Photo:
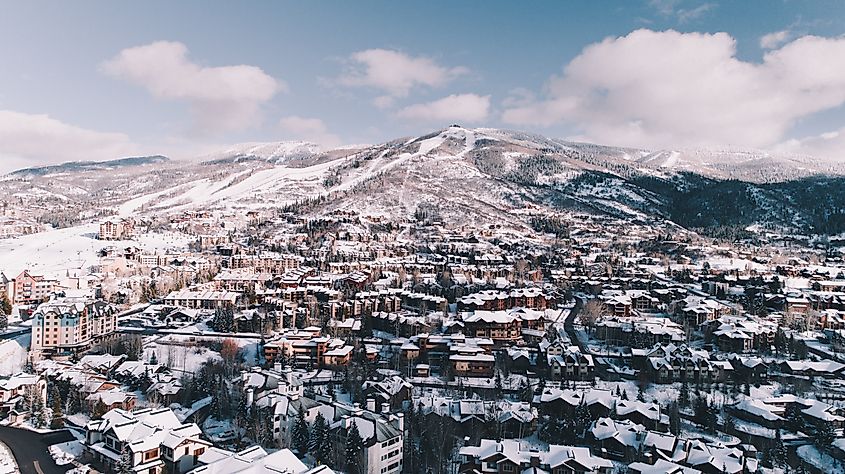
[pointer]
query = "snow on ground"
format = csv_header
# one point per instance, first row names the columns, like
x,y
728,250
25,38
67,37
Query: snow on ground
x,y
65,453
186,354
7,461
56,251
13,354
822,461
180,358
51,251
246,184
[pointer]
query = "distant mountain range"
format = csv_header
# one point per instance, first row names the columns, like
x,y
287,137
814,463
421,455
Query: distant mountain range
x,y
75,166
477,176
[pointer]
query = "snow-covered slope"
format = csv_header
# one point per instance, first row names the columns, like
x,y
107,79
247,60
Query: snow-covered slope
x,y
468,176
273,152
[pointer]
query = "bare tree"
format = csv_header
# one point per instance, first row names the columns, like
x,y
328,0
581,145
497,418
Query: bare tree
x,y
590,313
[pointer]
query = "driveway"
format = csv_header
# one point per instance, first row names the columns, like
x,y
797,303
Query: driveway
x,y
30,449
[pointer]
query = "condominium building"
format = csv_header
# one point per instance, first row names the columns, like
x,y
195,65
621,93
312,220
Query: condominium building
x,y
116,229
71,324
28,288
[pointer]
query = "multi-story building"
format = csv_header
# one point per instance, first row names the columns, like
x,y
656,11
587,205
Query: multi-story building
x,y
116,229
14,388
71,324
32,289
500,326
153,441
204,299
382,435
510,456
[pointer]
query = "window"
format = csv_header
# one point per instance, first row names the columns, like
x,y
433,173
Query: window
x,y
507,467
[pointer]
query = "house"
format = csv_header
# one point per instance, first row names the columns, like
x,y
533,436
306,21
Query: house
x,y
470,361
571,365
204,299
392,390
112,398
472,417
617,439
253,460
554,401
15,387
382,436
510,456
155,441
500,326
643,413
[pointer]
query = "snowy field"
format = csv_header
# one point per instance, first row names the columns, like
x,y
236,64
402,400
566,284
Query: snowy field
x,y
13,354
7,461
66,453
56,251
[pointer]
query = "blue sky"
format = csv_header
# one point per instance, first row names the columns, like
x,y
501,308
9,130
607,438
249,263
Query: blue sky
x,y
100,79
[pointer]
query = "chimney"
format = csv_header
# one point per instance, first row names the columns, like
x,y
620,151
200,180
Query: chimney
x,y
401,422
371,405
277,366
385,408
250,397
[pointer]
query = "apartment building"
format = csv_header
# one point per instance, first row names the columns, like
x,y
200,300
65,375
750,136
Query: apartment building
x,y
71,324
116,229
28,288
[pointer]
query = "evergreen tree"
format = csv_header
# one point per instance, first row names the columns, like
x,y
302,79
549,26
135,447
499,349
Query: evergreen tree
x,y
299,437
320,443
778,451
124,464
729,425
582,419
99,410
75,402
823,436
36,409
674,418
624,395
57,421
5,304
683,394
354,448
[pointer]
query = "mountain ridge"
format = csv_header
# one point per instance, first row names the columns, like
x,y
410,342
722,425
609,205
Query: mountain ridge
x,y
477,176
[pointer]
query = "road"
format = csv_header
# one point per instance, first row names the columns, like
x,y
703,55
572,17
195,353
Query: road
x,y
30,449
569,326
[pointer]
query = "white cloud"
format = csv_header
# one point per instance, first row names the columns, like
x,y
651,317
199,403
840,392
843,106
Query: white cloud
x,y
309,129
775,39
221,98
29,139
671,8
395,73
671,89
828,145
453,108
687,15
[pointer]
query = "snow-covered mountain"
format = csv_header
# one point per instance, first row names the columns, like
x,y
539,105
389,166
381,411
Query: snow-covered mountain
x,y
482,176
272,152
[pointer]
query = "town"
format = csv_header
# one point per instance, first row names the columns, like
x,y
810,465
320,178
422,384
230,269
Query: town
x,y
346,343
440,237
